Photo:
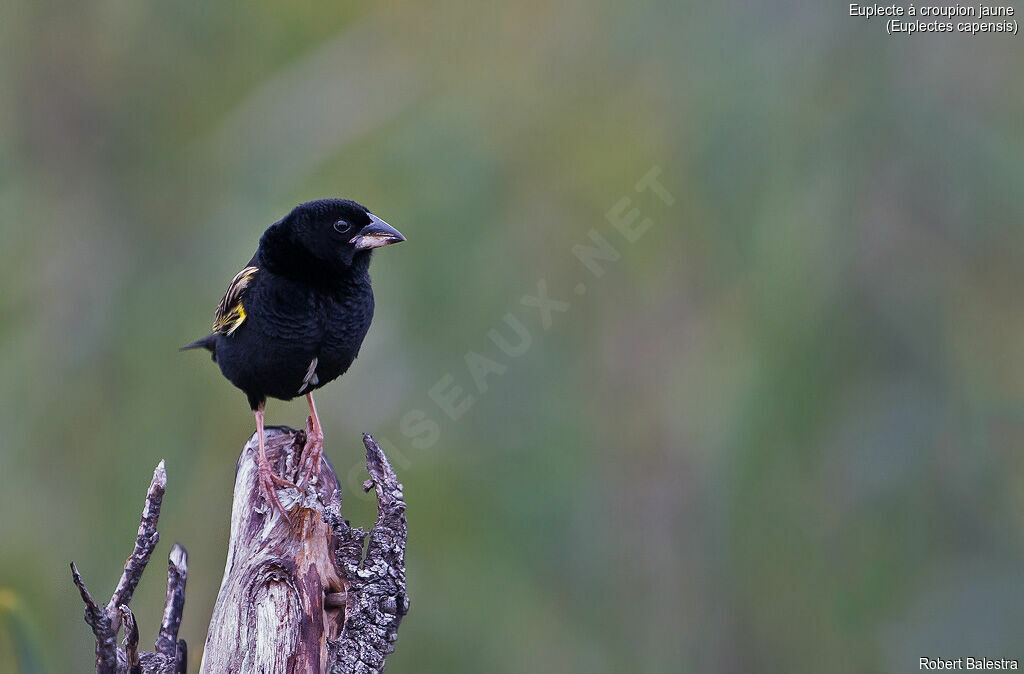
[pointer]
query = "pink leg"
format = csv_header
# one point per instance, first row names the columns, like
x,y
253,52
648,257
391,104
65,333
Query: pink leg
x,y
314,442
266,474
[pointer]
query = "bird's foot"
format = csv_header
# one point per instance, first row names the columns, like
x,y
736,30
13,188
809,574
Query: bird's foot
x,y
313,452
267,480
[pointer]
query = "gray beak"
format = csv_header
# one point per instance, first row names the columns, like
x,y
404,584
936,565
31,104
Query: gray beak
x,y
376,234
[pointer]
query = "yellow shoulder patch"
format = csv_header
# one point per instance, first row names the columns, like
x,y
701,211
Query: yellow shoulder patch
x,y
230,312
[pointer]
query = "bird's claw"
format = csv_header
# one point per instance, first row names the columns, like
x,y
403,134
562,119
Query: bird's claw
x,y
283,482
267,479
314,451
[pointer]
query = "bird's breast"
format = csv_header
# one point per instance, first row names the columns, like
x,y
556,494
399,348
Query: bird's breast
x,y
296,339
345,320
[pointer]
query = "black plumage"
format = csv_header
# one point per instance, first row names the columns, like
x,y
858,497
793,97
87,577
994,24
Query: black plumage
x,y
295,317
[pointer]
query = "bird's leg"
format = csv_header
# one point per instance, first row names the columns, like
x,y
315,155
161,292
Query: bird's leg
x,y
314,442
266,473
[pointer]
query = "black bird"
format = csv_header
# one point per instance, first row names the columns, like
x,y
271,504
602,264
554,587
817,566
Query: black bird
x,y
294,318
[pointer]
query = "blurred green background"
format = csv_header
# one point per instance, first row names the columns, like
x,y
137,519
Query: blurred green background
x,y
781,433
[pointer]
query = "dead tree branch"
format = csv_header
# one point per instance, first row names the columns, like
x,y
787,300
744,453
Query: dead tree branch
x,y
107,621
177,571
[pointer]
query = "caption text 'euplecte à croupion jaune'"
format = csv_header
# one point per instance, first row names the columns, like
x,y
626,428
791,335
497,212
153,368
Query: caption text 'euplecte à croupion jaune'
x,y
971,19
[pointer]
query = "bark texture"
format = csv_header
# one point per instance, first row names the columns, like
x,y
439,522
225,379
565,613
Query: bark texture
x,y
376,589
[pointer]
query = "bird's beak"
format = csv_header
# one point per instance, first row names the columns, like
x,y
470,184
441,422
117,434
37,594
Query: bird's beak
x,y
376,234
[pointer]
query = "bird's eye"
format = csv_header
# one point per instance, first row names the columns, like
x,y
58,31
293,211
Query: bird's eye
x,y
342,227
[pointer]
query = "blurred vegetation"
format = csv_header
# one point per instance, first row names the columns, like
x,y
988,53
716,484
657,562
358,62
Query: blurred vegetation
x,y
783,431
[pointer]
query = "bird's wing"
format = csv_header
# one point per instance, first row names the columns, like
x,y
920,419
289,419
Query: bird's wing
x,y
230,313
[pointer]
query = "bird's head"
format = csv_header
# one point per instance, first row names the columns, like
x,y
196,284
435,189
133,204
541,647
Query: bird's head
x,y
325,237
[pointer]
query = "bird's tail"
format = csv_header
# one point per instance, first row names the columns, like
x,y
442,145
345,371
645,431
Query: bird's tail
x,y
209,343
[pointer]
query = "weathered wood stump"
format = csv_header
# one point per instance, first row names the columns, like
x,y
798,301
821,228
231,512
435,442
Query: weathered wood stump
x,y
298,594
